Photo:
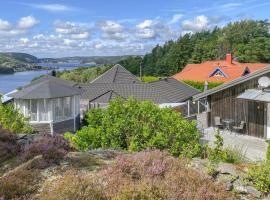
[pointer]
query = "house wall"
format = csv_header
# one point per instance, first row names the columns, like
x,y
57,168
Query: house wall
x,y
66,126
225,105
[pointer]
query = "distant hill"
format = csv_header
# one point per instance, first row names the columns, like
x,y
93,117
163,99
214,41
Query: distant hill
x,y
99,60
11,62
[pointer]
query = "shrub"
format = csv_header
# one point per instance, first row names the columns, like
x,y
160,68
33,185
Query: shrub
x,y
13,120
268,151
136,126
219,154
19,184
200,84
145,175
8,145
52,148
259,175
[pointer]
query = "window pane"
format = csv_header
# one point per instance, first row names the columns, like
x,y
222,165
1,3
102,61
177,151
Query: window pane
x,y
58,109
67,107
33,114
43,116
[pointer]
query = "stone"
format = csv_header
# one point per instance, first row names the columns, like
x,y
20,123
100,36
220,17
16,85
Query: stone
x,y
226,168
254,192
227,180
239,187
201,165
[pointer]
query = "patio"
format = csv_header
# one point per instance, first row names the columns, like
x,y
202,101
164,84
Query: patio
x,y
252,147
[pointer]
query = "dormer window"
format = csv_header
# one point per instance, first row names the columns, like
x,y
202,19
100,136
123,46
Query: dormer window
x,y
246,71
218,74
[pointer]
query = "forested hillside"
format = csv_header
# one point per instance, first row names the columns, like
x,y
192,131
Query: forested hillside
x,y
248,41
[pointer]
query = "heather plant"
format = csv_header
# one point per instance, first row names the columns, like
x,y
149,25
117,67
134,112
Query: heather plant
x,y
8,145
19,184
135,126
52,148
13,120
148,175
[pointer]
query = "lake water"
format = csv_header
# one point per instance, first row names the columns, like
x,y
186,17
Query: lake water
x,y
9,82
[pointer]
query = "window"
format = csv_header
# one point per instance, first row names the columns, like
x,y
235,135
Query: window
x,y
67,107
219,74
43,115
33,109
62,108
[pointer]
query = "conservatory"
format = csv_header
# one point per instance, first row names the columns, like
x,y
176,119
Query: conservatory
x,y
51,104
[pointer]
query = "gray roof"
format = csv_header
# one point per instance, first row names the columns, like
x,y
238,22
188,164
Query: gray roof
x,y
174,90
117,74
104,92
242,79
47,87
166,90
256,95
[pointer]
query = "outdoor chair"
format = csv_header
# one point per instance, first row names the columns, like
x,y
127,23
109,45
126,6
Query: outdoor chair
x,y
240,128
218,123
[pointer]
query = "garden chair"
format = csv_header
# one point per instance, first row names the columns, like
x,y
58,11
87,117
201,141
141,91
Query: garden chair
x,y
240,128
217,122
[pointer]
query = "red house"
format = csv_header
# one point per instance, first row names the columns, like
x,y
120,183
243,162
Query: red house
x,y
218,70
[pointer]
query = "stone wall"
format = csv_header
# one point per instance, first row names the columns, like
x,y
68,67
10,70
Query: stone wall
x,y
42,128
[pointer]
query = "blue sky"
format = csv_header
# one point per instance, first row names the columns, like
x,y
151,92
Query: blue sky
x,y
51,28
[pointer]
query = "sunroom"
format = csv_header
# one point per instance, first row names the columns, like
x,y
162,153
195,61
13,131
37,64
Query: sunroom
x,y
51,104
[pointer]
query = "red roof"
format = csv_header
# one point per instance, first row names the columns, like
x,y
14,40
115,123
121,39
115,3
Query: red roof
x,y
206,70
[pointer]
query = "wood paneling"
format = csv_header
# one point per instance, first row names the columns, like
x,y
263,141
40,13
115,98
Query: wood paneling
x,y
225,105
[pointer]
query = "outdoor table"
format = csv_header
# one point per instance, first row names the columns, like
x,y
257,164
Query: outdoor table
x,y
228,124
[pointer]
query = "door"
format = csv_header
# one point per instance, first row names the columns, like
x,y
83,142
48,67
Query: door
x,y
268,121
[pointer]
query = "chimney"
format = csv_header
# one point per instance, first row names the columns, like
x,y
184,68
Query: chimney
x,y
229,58
205,86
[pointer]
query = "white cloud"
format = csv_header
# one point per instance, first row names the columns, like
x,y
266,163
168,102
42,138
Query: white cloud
x,y
73,30
199,23
112,30
176,18
27,22
51,7
24,40
4,25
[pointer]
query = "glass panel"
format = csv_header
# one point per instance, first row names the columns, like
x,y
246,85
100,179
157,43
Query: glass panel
x,y
67,107
43,116
58,108
33,114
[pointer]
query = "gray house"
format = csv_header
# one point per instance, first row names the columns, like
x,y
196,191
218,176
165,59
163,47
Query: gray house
x,y
51,104
118,81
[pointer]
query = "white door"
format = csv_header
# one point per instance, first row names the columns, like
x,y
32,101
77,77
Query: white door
x,y
268,121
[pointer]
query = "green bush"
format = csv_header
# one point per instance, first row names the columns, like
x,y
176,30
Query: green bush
x,y
200,84
259,175
135,126
12,120
268,151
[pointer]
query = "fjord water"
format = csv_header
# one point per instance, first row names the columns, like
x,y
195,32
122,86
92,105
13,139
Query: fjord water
x,y
9,82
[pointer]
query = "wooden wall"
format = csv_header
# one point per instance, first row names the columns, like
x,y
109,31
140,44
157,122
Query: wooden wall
x,y
225,105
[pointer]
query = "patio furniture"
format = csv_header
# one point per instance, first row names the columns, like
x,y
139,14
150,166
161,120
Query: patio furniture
x,y
217,122
239,128
228,124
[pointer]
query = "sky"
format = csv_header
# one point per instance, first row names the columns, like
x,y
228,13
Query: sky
x,y
57,28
